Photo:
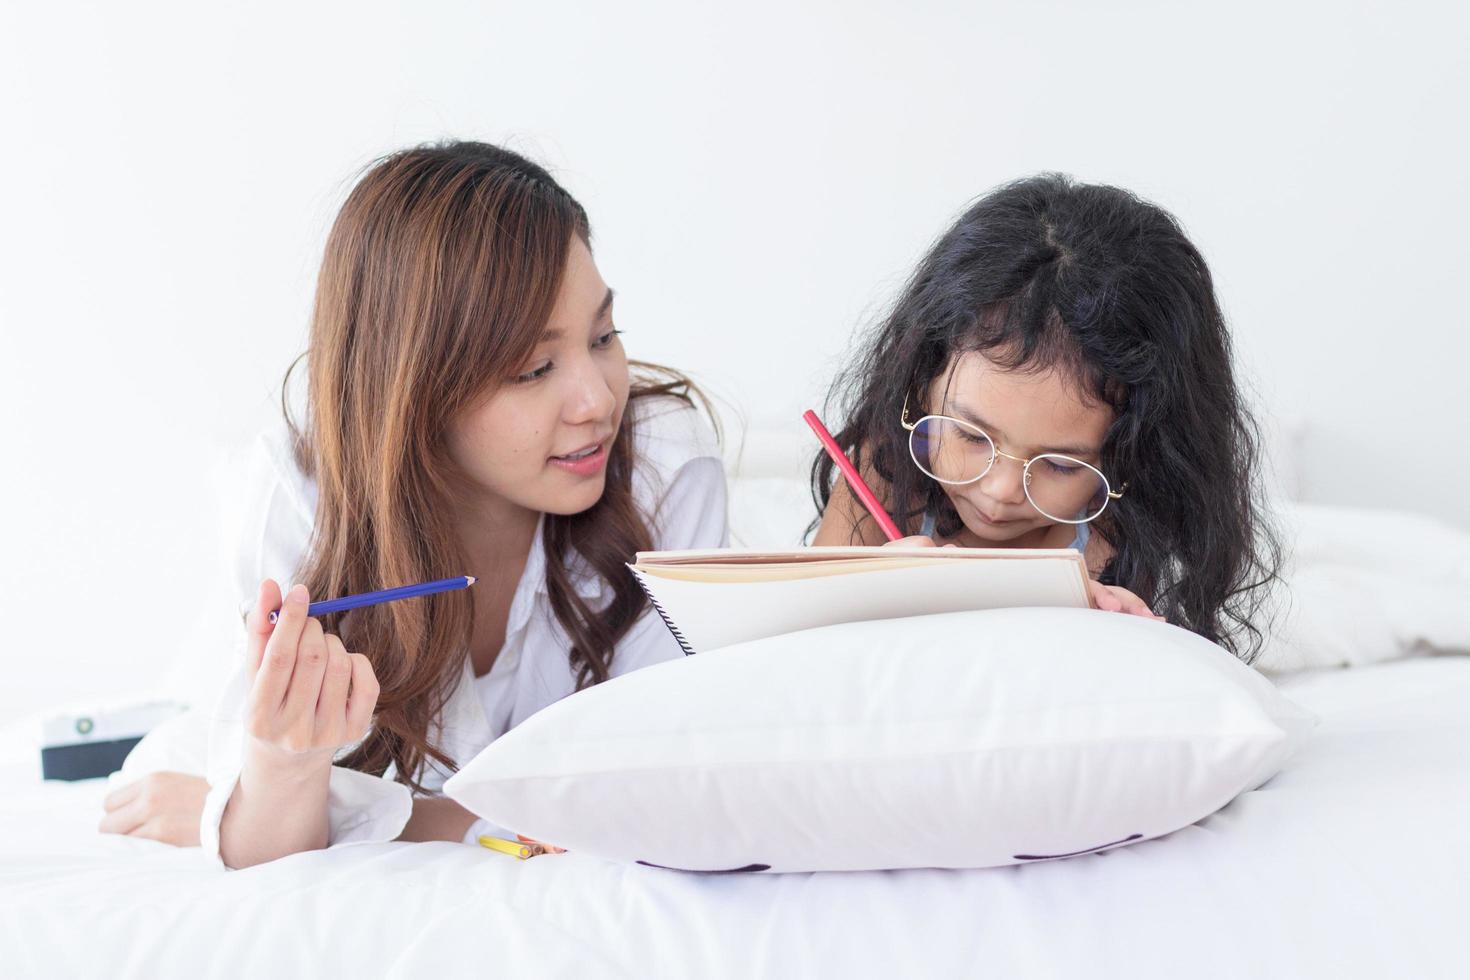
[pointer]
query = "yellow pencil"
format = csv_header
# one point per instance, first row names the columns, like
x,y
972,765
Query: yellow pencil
x,y
515,849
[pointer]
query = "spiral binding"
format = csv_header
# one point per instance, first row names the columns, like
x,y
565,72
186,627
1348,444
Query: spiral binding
x,y
678,635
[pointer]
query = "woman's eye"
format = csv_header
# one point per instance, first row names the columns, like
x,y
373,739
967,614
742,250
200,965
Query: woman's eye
x,y
533,375
606,339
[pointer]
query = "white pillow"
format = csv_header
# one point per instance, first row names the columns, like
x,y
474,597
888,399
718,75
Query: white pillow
x,y
1360,586
961,740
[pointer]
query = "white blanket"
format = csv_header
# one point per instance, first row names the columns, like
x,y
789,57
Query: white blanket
x,y
1351,863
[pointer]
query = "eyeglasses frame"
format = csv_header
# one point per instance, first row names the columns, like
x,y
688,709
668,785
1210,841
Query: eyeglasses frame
x,y
995,451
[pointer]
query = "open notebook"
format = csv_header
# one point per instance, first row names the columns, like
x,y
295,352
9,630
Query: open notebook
x,y
712,599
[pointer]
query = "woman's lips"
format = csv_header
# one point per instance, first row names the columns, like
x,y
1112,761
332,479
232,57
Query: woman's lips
x,y
582,465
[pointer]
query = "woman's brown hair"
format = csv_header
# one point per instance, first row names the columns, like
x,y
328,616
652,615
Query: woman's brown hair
x,y
440,273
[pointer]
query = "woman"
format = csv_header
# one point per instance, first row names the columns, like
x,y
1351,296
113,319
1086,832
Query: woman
x,y
471,411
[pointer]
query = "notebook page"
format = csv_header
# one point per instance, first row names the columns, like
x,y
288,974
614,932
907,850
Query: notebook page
x,y
736,556
775,572
706,616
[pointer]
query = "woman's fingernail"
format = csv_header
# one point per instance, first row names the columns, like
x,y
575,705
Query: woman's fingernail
x,y
298,593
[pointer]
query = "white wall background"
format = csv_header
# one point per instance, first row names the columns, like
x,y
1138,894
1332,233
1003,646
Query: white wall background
x,y
760,177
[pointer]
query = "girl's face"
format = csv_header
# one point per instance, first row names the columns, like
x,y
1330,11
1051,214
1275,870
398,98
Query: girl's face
x,y
540,442
1026,414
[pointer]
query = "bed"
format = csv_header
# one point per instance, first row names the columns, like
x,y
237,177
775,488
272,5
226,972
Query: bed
x,y
1351,862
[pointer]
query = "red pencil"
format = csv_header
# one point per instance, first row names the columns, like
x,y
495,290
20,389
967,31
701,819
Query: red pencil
x,y
853,480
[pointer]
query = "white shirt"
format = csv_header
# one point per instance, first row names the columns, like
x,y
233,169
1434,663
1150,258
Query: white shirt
x,y
679,485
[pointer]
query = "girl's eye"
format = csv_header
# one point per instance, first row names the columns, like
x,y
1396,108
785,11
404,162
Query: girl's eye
x,y
605,341
1060,468
539,372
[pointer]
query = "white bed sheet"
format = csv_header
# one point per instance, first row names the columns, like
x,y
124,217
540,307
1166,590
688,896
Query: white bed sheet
x,y
1353,862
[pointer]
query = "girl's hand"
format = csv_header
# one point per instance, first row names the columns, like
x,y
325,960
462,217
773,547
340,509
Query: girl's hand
x,y
1115,598
310,696
1110,597
162,806
914,541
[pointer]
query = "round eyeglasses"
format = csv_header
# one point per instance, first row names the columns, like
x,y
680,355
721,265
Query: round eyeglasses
x,y
1062,488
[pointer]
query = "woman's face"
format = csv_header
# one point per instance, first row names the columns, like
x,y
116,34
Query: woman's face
x,y
541,441
1025,414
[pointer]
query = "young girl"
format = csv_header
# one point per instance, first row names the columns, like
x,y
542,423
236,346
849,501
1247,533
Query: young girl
x,y
471,411
1057,373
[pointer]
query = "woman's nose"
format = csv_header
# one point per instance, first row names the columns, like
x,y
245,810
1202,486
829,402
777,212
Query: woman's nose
x,y
590,399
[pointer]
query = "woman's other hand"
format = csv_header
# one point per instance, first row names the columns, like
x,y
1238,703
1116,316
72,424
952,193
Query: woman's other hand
x,y
162,806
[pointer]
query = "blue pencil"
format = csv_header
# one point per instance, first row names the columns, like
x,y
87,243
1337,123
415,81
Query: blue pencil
x,y
385,595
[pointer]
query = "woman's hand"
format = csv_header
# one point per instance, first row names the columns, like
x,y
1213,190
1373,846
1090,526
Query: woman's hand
x,y
1114,598
162,806
309,696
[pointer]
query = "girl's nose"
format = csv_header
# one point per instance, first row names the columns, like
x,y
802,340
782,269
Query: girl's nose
x,y
1005,482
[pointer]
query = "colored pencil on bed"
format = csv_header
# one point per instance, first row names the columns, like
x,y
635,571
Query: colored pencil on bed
x,y
853,479
516,849
384,595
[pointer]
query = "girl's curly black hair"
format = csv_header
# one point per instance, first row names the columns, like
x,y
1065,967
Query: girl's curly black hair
x,y
1047,272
